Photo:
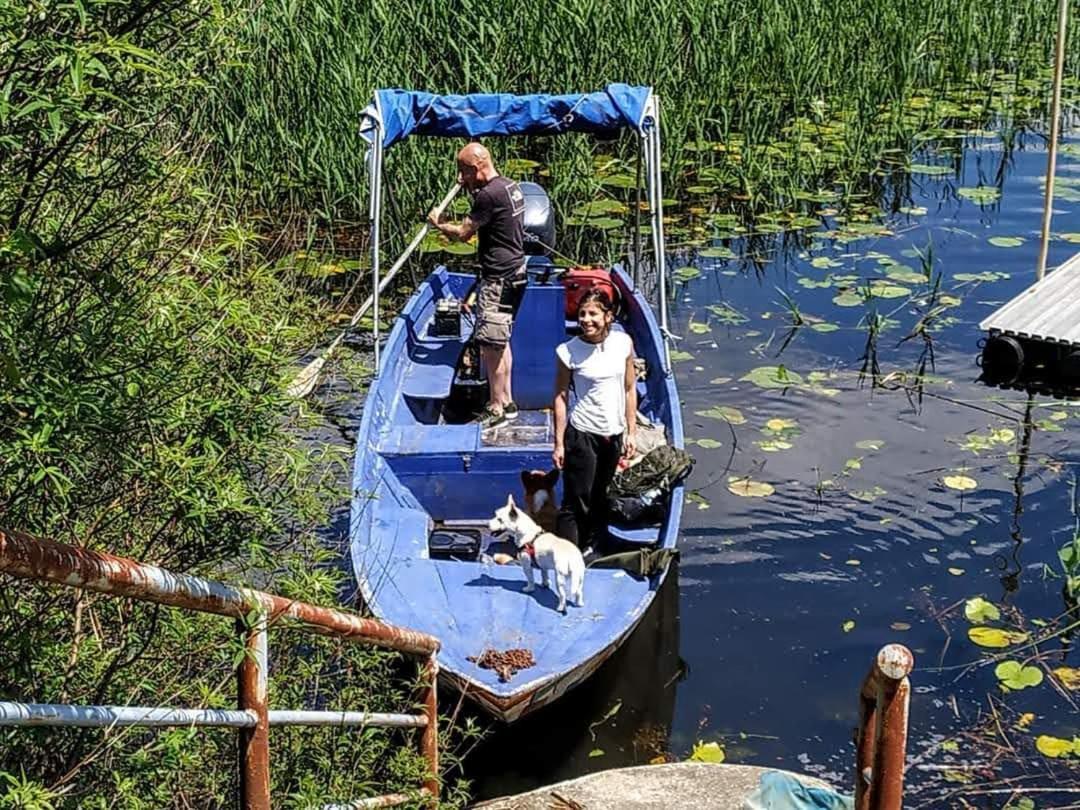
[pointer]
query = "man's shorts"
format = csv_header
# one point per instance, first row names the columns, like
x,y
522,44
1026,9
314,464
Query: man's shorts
x,y
497,302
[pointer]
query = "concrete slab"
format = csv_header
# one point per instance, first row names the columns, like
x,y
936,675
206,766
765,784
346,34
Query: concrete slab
x,y
685,785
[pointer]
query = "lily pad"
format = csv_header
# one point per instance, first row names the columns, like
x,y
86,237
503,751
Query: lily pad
x,y
727,314
686,273
962,483
824,327
776,425
707,752
460,248
619,180
725,413
599,208
995,637
745,488
1069,677
848,298
680,356
979,611
905,275
774,445
604,223
1006,241
708,444
717,253
848,626
983,195
1056,747
867,495
1014,675
772,377
1070,237
870,444
986,275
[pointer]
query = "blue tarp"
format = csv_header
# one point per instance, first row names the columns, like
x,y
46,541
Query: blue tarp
x,y
412,112
778,790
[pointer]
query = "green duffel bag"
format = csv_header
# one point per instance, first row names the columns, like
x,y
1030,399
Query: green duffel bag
x,y
661,470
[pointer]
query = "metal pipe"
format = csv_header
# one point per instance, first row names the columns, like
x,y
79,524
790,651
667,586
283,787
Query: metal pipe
x,y
656,204
1055,126
429,740
24,556
55,715
661,259
254,743
881,738
637,213
389,800
376,210
288,717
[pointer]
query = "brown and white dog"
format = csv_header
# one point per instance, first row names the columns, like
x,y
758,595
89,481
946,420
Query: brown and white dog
x,y
540,497
543,550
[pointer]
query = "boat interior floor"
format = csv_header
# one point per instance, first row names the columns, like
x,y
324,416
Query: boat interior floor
x,y
530,428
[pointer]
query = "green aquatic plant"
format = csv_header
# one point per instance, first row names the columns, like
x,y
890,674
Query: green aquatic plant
x,y
1069,557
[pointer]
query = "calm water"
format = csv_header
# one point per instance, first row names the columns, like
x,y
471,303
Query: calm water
x,y
783,601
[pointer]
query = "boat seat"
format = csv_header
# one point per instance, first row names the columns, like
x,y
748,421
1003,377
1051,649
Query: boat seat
x,y
538,330
411,440
433,360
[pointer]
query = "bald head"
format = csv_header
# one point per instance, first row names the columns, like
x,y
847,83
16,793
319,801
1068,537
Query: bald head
x,y
475,167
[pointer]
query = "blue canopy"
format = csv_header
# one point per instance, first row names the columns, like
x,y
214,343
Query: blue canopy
x,y
410,112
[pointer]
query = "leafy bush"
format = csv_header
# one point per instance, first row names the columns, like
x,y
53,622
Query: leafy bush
x,y
143,344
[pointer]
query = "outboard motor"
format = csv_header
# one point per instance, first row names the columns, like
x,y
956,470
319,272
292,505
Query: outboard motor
x,y
539,220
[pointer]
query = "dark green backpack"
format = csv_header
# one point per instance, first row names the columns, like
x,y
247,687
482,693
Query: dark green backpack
x,y
662,469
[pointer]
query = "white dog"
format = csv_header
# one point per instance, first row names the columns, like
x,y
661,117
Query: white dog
x,y
544,550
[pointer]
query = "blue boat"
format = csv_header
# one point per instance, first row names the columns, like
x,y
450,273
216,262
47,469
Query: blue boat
x,y
422,471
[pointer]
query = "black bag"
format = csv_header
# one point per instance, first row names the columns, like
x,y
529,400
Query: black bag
x,y
663,468
454,544
639,510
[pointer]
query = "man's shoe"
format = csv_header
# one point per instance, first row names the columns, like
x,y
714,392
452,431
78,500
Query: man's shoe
x,y
510,411
490,418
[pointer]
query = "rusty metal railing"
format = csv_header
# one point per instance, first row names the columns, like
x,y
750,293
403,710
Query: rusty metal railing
x,y
881,738
32,558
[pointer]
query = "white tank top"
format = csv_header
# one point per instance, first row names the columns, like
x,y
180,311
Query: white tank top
x,y
597,382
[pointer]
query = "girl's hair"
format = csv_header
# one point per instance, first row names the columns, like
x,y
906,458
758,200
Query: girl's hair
x,y
595,295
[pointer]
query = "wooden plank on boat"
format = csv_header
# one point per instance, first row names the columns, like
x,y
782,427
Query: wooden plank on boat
x,y
1048,310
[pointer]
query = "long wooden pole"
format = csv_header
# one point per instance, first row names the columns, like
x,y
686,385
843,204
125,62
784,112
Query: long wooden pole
x,y
304,382
1055,126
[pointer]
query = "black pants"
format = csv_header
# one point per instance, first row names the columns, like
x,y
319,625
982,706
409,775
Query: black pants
x,y
588,468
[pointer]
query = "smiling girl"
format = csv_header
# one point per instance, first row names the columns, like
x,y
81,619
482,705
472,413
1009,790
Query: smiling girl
x,y
595,407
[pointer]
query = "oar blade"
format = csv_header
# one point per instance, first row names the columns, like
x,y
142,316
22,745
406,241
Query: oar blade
x,y
304,382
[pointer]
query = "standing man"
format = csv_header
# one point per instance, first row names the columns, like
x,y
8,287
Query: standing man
x,y
496,215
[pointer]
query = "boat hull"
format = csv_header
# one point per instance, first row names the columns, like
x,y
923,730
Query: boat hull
x,y
414,470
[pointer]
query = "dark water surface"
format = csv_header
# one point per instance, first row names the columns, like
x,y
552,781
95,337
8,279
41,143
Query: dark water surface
x,y
783,601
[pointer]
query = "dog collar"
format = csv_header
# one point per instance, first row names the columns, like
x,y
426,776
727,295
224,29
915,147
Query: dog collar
x,y
528,546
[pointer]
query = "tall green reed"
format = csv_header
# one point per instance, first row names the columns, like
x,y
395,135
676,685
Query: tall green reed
x,y
285,114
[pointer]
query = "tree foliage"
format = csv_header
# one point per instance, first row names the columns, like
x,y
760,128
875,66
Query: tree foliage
x,y
144,338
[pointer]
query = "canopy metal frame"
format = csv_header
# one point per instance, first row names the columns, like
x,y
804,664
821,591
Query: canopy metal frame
x,y
648,134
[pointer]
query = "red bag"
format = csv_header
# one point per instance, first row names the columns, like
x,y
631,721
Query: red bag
x,y
578,280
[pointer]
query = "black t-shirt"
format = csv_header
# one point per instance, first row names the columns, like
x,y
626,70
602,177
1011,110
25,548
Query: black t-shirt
x,y
498,212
